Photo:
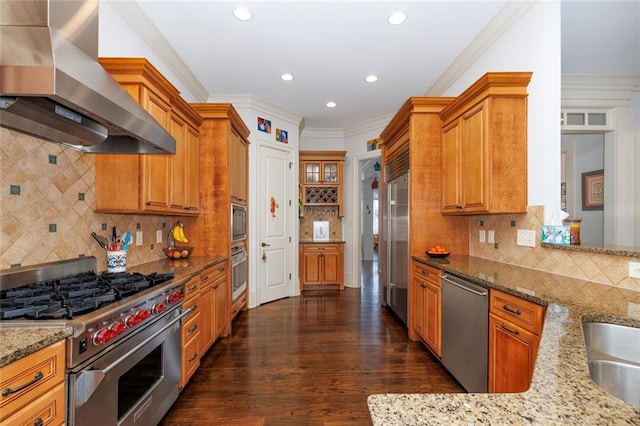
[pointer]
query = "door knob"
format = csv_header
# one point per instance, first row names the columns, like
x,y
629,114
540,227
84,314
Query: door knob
x,y
266,245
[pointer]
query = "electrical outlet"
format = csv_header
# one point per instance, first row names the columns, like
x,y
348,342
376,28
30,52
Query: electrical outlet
x,y
483,236
138,238
491,237
526,238
158,236
634,269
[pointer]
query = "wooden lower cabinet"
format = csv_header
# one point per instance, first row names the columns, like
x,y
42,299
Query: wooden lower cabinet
x,y
515,326
426,306
42,401
213,305
321,264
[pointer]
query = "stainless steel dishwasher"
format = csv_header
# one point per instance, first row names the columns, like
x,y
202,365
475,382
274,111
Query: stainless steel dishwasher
x,y
465,332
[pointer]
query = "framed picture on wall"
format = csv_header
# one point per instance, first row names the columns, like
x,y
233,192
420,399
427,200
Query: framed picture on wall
x,y
593,190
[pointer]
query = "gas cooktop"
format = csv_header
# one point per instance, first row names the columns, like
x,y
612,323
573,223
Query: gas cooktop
x,y
70,296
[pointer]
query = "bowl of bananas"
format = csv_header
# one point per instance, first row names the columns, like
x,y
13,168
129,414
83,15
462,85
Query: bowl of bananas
x,y
176,235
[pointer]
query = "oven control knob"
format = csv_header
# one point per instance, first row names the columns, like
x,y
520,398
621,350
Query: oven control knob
x,y
174,297
143,314
102,336
118,328
158,308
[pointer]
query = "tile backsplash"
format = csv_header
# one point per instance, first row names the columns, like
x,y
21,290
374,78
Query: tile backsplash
x,y
313,214
601,268
47,199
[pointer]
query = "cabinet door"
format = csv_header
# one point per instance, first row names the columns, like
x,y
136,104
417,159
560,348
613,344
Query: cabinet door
x,y
417,306
312,172
177,178
433,313
474,148
205,304
221,298
155,168
512,356
192,191
451,169
330,172
238,167
312,268
331,268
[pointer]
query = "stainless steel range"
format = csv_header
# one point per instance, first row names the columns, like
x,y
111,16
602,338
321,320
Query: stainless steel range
x,y
123,359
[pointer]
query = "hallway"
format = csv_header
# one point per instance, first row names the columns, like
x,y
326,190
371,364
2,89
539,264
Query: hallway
x,y
309,360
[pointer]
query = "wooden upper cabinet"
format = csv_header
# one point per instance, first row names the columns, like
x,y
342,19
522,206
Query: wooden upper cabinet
x,y
239,167
321,178
484,147
151,183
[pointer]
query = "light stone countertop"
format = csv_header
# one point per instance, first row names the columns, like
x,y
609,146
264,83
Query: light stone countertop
x,y
561,392
19,341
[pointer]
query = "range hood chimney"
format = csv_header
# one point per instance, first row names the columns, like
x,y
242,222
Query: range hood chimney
x,y
52,86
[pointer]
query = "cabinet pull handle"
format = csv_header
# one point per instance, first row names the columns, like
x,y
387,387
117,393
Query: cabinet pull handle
x,y
504,327
192,329
195,355
426,273
512,310
204,279
193,287
38,422
37,377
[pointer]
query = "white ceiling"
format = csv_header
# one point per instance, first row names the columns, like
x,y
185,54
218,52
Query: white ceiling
x,y
331,46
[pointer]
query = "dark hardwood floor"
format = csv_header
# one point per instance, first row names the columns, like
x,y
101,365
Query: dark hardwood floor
x,y
309,360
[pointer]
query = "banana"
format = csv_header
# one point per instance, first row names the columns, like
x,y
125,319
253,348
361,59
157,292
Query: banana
x,y
178,234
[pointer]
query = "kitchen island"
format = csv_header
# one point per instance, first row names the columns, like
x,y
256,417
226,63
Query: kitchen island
x,y
561,391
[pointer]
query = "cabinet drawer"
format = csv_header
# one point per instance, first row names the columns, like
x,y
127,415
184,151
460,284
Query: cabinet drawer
x,y
523,313
428,273
47,363
322,248
190,360
212,273
191,288
191,328
49,409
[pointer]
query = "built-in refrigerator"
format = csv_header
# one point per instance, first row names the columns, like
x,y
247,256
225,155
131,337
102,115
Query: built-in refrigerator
x,y
397,249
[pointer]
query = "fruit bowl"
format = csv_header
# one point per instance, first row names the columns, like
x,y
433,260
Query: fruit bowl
x,y
177,252
438,255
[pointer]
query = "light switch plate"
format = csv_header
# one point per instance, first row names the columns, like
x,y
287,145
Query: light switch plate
x,y
158,236
138,238
526,238
491,237
634,269
483,236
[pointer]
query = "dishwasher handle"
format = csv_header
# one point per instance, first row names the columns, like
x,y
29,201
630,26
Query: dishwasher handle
x,y
465,285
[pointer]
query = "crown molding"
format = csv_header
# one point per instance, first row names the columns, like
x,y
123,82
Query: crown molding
x,y
318,132
598,90
261,105
133,15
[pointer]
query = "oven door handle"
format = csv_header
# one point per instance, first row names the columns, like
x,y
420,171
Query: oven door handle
x,y
88,381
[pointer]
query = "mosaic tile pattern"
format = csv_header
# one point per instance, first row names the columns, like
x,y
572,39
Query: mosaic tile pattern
x,y
322,214
600,268
49,195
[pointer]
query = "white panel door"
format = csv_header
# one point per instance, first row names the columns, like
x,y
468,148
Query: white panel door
x,y
275,213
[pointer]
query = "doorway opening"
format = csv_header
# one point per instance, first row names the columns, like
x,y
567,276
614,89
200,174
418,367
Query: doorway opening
x,y
369,218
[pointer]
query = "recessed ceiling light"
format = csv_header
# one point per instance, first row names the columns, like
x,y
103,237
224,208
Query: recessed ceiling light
x,y
397,18
242,13
331,104
286,77
371,78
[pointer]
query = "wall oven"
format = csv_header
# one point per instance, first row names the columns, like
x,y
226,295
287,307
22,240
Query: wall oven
x,y
238,271
238,222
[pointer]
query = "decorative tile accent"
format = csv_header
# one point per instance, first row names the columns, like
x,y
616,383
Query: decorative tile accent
x,y
51,196
14,189
53,159
80,196
53,227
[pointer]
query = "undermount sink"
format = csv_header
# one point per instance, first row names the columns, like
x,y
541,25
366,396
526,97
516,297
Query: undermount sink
x,y
613,353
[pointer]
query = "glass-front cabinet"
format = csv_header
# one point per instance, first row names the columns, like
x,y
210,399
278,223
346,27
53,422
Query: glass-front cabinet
x,y
321,179
321,171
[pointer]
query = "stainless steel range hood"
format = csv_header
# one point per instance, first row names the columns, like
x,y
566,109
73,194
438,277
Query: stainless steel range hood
x,y
52,86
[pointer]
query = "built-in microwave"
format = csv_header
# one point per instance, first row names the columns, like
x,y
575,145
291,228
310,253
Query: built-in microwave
x,y
238,222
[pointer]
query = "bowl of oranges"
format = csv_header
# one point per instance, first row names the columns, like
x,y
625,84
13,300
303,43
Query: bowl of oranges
x,y
438,252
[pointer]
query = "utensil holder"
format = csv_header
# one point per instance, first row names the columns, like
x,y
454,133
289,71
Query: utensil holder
x,y
116,261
